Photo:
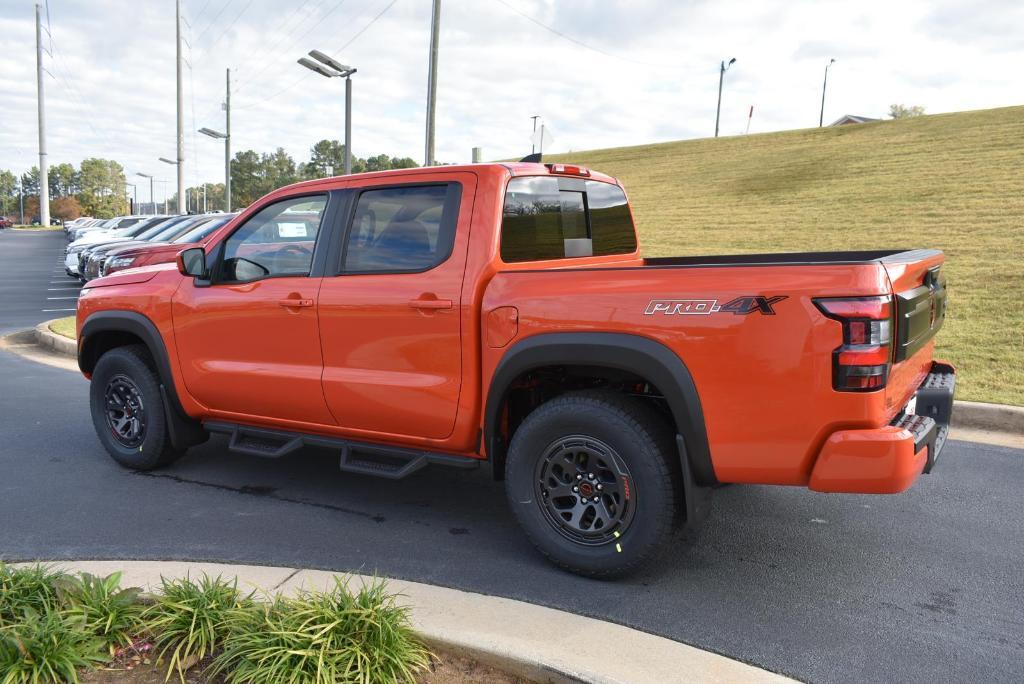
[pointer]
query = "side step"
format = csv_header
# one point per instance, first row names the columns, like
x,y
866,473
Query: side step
x,y
393,463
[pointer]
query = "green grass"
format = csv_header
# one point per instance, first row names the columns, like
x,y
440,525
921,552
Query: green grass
x,y
334,636
191,620
37,229
64,326
950,181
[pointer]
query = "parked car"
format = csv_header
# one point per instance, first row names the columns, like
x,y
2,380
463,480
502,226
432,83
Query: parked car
x,y
5,222
503,313
158,235
116,230
136,255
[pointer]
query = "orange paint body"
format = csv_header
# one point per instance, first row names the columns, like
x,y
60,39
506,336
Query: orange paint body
x,y
408,359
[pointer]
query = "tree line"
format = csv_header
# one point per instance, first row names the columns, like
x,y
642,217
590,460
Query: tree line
x,y
95,188
99,188
254,174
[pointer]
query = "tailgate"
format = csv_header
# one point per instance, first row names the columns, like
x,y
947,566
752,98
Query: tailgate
x,y
919,289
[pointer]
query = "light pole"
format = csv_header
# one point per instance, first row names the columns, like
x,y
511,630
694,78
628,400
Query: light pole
x,y
821,117
435,38
331,68
721,79
135,197
182,201
217,135
152,200
533,145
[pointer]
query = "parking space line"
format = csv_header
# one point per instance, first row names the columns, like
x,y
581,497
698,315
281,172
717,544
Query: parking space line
x,y
56,310
51,298
60,289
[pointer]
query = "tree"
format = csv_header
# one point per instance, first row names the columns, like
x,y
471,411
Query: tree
x,y
8,193
30,181
278,168
101,188
65,208
898,111
326,158
63,180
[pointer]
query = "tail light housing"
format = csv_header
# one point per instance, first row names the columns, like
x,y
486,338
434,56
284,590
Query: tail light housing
x,y
863,361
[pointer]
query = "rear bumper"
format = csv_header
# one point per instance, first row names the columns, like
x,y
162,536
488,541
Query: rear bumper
x,y
888,459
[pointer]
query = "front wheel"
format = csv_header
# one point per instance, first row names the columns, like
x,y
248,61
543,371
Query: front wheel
x,y
128,409
591,477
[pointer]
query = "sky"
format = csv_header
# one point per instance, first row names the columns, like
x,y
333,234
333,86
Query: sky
x,y
599,73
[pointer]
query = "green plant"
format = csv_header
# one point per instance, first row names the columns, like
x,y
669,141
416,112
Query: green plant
x,y
104,609
324,637
46,647
27,588
190,620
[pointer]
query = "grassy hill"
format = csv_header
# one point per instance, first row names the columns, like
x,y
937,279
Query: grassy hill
x,y
951,181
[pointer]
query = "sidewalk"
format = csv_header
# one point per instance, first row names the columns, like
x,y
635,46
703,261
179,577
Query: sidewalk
x,y
539,643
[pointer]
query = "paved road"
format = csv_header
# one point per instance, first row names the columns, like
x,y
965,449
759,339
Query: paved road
x,y
33,286
923,587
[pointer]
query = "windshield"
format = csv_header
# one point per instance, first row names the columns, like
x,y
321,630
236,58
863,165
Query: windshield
x,y
156,226
129,225
169,231
204,229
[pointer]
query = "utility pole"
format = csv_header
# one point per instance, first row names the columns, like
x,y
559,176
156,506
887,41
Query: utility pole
x,y
435,31
821,116
181,110
227,143
44,178
21,200
533,145
721,79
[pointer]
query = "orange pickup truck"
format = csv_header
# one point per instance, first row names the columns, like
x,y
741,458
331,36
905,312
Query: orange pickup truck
x,y
503,313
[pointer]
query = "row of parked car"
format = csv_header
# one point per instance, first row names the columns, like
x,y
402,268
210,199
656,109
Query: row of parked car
x,y
100,247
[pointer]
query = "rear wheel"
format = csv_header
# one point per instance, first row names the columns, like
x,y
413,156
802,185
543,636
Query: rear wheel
x,y
128,409
592,479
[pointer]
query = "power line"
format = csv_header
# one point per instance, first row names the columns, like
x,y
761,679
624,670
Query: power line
x,y
225,31
580,43
197,17
300,79
213,20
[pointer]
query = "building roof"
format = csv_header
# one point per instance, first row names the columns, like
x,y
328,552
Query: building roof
x,y
852,119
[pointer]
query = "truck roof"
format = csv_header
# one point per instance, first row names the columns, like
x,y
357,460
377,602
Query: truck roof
x,y
511,168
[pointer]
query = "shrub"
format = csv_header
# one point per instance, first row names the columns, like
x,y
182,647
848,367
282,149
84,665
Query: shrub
x,y
103,608
22,589
324,637
190,620
46,647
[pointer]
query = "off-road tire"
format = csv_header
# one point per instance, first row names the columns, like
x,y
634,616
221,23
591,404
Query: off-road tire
x,y
132,367
639,437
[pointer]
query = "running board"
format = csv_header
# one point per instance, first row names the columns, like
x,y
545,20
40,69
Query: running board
x,y
393,463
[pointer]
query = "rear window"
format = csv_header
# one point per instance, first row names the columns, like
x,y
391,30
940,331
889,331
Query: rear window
x,y
547,217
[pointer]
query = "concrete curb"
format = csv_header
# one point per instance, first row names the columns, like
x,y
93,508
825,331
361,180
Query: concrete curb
x,y
972,415
541,644
47,339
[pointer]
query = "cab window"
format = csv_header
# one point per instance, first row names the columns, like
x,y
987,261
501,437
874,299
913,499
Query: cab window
x,y
402,229
543,221
277,241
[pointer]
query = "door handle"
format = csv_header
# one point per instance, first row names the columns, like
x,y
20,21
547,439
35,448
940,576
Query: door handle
x,y
430,304
295,302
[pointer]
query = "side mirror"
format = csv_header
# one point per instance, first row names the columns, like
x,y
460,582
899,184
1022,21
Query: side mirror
x,y
192,262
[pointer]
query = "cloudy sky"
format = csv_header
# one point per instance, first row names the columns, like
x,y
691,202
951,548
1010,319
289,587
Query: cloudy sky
x,y
601,73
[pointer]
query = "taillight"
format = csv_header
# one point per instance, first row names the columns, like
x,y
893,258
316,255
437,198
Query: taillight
x,y
568,169
862,362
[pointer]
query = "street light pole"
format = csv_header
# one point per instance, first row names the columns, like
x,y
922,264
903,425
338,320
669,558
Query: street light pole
x,y
533,145
331,68
227,142
821,116
435,35
44,179
721,80
181,112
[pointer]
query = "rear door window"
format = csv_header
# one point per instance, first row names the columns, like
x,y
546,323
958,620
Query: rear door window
x,y
547,217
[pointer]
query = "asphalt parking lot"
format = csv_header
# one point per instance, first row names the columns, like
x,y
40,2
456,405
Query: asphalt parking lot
x,y
922,587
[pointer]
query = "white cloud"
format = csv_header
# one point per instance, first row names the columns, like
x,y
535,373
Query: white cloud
x,y
652,75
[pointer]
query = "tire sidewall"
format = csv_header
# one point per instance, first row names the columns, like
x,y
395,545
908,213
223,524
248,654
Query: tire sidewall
x,y
634,447
149,454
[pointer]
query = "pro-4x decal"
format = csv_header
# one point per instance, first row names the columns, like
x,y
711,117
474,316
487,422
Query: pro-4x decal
x,y
740,306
